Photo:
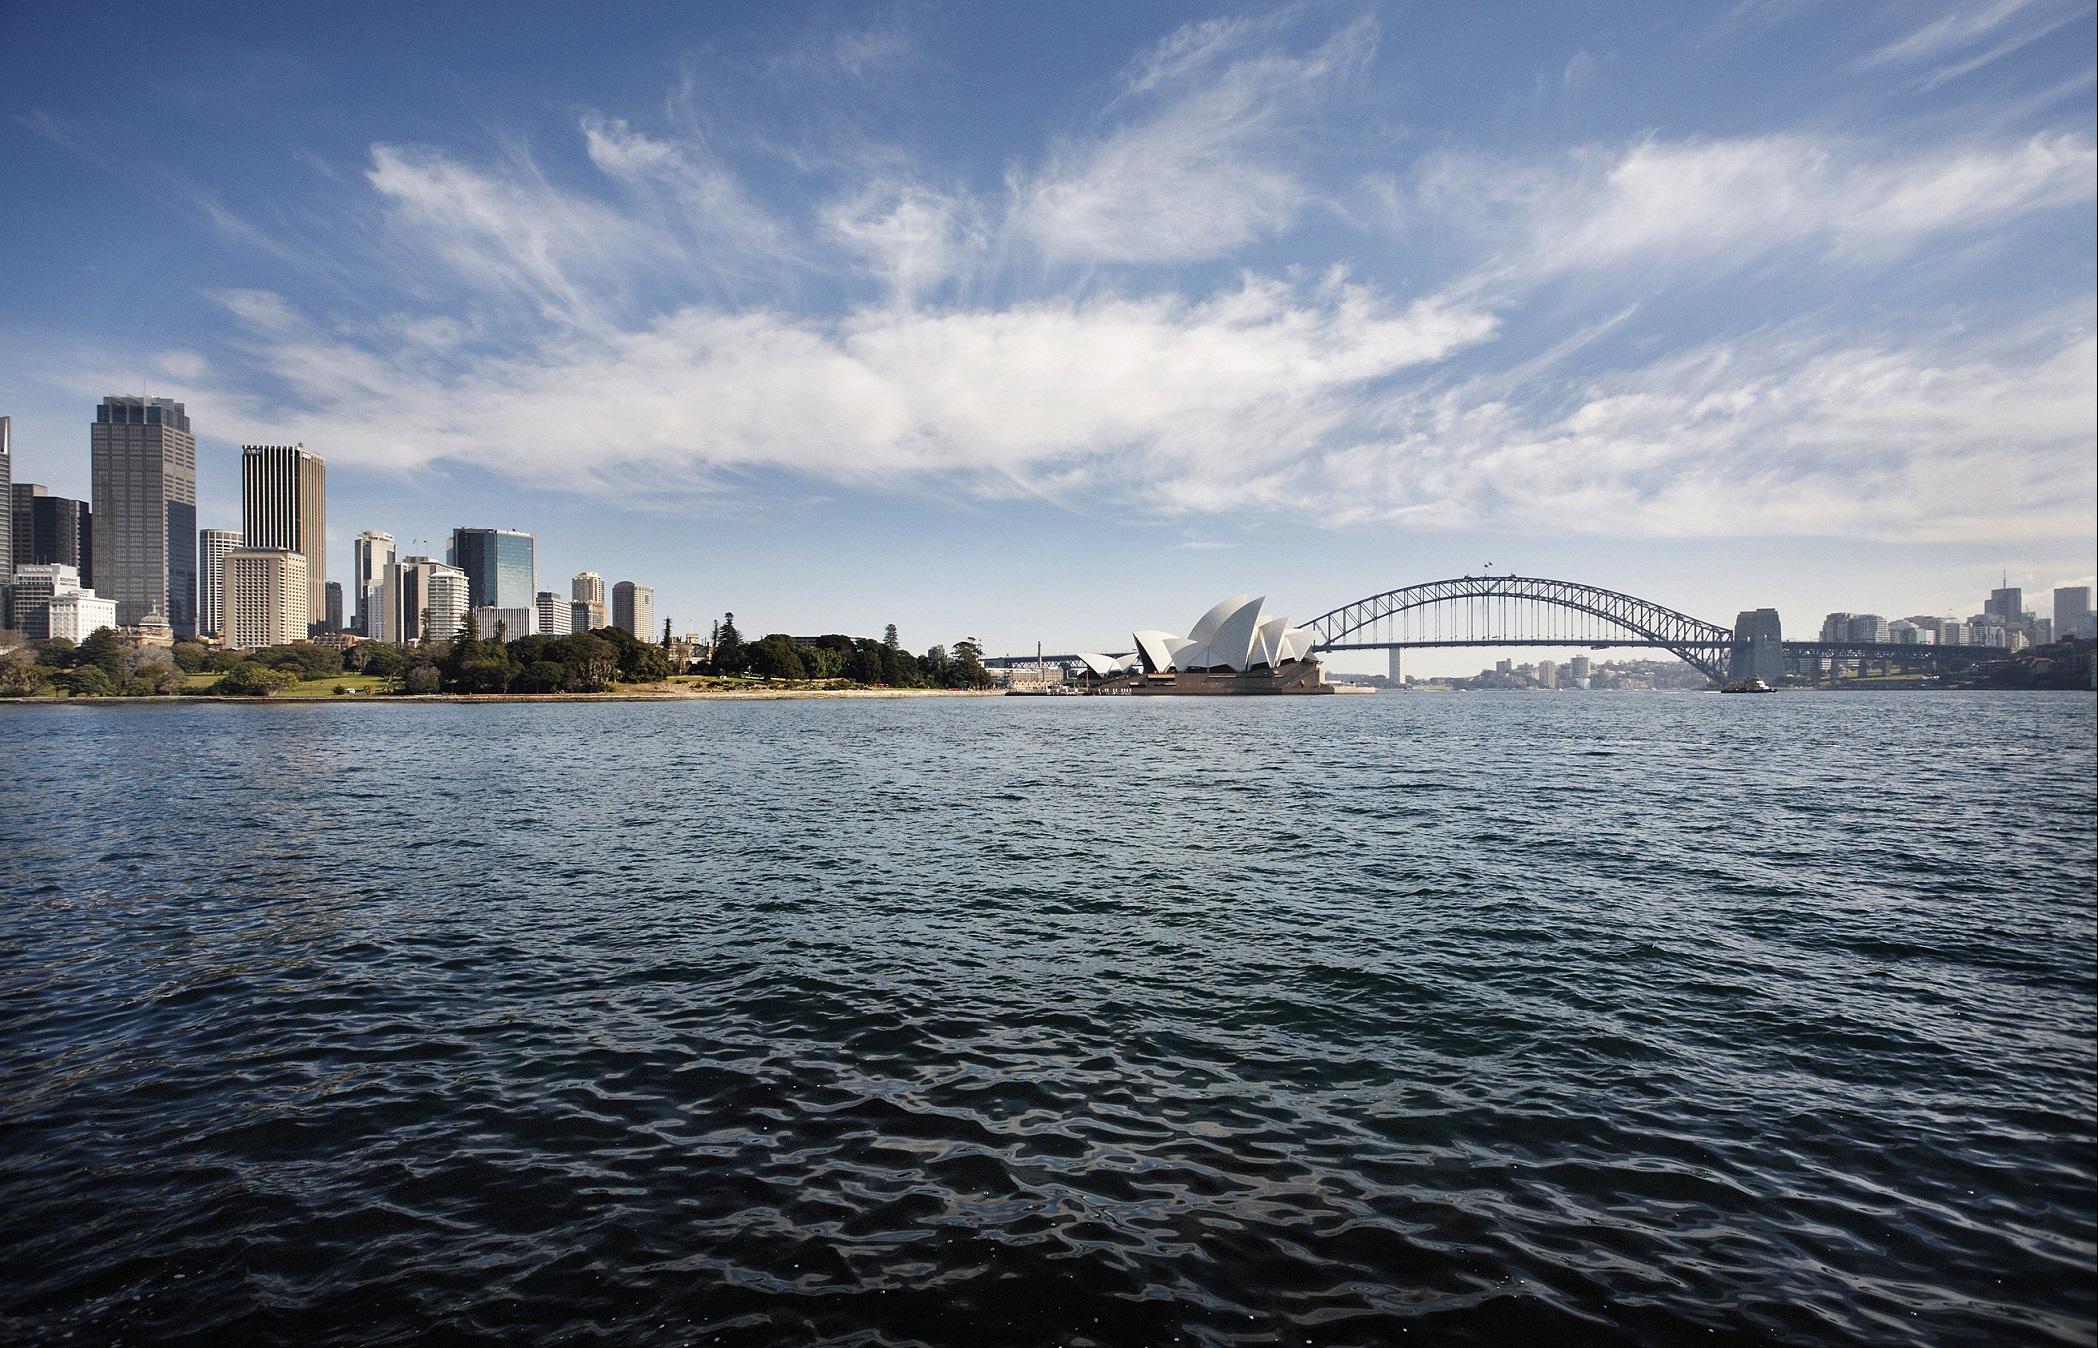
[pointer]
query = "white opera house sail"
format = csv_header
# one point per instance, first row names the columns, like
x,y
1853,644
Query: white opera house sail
x,y
1233,648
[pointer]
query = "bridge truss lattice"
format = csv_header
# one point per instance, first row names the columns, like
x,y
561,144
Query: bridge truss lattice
x,y
1520,611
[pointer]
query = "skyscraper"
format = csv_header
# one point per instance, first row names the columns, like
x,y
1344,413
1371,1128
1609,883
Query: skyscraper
x,y
53,529
371,552
268,600
499,566
424,598
2072,612
212,547
587,612
2007,603
284,504
634,609
331,618
555,617
7,526
145,510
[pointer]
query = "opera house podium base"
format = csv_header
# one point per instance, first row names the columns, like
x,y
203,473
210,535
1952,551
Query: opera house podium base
x,y
1298,677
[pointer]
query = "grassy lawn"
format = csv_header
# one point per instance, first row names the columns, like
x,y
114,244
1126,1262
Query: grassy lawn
x,y
358,684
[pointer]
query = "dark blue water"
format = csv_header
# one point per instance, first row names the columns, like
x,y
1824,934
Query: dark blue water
x,y
1474,1019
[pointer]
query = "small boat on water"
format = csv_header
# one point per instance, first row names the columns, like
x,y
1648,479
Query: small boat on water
x,y
1747,686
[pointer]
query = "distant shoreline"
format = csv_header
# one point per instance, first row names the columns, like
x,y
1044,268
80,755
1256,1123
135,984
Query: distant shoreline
x,y
633,695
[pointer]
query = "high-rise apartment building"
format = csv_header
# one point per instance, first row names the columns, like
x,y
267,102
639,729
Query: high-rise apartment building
x,y
212,547
587,611
51,528
371,552
499,566
144,472
423,599
634,609
284,505
554,615
2072,612
268,598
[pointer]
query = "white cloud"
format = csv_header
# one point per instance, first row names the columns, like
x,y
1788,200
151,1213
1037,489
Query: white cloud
x,y
912,238
1658,204
1161,402
1205,164
514,234
1997,29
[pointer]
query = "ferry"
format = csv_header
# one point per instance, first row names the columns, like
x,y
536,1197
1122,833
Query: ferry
x,y
1748,686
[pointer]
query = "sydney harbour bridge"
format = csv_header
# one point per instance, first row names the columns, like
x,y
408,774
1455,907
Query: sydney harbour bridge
x,y
1506,610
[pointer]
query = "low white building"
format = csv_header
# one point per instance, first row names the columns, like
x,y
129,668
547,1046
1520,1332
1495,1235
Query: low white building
x,y
78,613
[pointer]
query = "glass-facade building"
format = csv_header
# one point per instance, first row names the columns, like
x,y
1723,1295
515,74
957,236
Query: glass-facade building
x,y
145,510
499,567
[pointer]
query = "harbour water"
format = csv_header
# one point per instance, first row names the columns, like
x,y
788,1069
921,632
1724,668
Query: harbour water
x,y
1471,1019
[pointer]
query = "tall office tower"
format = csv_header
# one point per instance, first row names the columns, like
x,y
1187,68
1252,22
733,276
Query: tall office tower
x,y
2007,603
145,510
7,525
53,529
1836,627
331,619
371,552
498,565
268,598
2072,612
424,598
587,612
554,615
284,504
634,609
212,547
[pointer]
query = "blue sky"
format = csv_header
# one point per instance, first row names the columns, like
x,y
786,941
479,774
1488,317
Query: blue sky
x,y
1053,321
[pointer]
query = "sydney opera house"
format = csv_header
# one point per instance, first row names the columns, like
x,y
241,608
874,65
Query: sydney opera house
x,y
1235,648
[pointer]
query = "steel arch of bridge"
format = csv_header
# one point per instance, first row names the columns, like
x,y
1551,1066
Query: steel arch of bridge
x,y
1520,610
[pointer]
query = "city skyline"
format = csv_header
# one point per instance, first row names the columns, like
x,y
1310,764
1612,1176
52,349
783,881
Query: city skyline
x,y
1256,301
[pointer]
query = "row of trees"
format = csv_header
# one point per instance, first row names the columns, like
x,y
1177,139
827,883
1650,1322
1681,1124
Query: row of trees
x,y
586,662
859,660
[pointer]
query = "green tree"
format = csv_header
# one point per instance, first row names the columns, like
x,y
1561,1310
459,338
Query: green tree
x,y
865,665
730,654
542,676
219,662
591,663
775,657
189,656
253,678
56,653
421,679
666,634
889,639
968,666
106,649
86,680
20,674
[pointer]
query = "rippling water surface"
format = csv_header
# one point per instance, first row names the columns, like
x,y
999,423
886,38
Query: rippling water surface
x,y
1496,1020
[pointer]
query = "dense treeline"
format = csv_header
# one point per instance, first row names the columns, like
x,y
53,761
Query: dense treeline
x,y
587,662
854,659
